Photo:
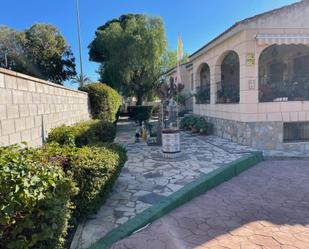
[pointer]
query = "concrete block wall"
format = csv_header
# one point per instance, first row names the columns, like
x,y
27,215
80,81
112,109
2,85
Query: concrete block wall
x,y
30,107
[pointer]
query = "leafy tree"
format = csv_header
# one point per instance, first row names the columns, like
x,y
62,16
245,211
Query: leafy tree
x,y
78,79
11,48
39,51
169,60
130,50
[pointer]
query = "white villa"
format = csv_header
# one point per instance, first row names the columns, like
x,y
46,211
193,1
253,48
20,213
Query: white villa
x,y
252,81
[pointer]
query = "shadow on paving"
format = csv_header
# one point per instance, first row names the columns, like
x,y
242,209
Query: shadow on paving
x,y
147,178
265,207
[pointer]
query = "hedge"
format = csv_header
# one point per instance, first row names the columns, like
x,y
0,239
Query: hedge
x,y
196,124
140,113
35,198
94,169
83,133
43,190
104,101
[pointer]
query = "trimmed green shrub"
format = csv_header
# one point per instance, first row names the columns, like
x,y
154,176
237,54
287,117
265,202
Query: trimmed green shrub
x,y
104,101
94,169
102,132
201,126
83,133
196,124
187,123
66,134
35,200
140,113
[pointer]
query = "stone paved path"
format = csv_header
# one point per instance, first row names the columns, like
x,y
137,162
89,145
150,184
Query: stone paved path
x,y
266,207
148,178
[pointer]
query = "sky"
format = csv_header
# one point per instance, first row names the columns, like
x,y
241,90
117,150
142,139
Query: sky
x,y
198,21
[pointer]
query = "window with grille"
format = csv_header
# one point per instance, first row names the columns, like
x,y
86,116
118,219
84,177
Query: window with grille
x,y
296,132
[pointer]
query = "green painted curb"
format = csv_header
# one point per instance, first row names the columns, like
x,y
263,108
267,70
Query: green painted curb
x,y
185,194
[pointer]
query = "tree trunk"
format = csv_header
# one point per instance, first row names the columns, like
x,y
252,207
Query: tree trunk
x,y
139,99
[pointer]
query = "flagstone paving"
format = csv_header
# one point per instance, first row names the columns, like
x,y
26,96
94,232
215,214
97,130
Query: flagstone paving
x,y
266,207
147,178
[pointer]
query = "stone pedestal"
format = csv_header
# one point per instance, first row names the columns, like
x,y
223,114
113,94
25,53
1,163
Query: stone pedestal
x,y
171,143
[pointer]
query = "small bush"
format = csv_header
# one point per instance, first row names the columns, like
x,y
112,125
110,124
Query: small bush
x,y
94,169
201,126
83,133
35,198
104,101
196,124
187,123
63,135
39,188
140,113
103,132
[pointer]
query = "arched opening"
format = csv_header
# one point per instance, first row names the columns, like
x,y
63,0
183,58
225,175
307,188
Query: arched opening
x,y
228,87
202,95
284,73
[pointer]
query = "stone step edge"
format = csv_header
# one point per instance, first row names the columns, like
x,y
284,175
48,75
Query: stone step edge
x,y
188,192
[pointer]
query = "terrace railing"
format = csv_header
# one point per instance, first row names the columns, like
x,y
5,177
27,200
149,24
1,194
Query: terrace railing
x,y
227,93
286,91
202,95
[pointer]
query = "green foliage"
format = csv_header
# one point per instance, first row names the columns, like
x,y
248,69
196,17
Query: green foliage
x,y
63,135
140,113
11,43
104,101
201,126
155,111
203,95
83,133
103,132
39,188
139,39
35,200
40,51
187,123
94,169
196,124
180,99
42,190
169,60
79,79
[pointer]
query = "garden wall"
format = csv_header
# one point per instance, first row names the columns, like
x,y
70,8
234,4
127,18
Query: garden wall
x,y
30,107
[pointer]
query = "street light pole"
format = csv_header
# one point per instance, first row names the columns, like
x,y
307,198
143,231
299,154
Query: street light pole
x,y
79,46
